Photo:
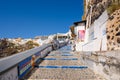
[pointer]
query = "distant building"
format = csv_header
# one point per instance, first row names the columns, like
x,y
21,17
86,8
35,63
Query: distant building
x,y
41,37
61,36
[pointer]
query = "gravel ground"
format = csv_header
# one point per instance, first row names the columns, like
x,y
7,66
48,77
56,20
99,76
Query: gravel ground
x,y
62,73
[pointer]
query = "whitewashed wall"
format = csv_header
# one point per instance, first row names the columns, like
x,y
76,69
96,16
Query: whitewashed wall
x,y
104,43
91,33
95,37
92,46
79,46
86,35
100,24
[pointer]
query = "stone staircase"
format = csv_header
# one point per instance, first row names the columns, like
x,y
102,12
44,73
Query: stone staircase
x,y
62,64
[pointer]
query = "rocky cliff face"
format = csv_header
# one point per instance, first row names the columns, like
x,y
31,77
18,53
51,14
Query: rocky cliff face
x,y
113,31
99,6
8,48
95,10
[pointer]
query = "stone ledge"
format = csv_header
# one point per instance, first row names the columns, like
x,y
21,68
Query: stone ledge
x,y
106,63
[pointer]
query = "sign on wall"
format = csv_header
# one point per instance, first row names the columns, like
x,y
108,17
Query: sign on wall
x,y
81,34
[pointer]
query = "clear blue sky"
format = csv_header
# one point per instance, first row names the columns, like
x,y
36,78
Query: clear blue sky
x,y
30,18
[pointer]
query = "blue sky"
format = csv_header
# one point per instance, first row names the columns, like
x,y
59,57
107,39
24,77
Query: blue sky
x,y
30,18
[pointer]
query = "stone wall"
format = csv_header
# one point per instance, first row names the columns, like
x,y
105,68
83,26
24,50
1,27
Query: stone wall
x,y
107,64
12,74
99,6
113,31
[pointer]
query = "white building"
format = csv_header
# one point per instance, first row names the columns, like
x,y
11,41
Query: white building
x,y
79,30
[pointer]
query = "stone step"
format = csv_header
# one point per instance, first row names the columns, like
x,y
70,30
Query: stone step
x,y
64,74
61,62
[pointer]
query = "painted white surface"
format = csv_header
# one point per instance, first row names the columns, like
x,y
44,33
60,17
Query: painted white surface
x,y
86,35
97,31
100,25
92,46
96,45
91,33
80,27
104,43
103,29
79,46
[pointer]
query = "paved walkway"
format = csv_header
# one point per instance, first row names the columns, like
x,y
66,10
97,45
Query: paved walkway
x,y
62,64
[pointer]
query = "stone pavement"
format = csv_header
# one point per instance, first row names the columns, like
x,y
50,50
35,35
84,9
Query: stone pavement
x,y
62,64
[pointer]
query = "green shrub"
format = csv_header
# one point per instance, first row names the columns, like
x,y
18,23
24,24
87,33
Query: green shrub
x,y
72,31
112,8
